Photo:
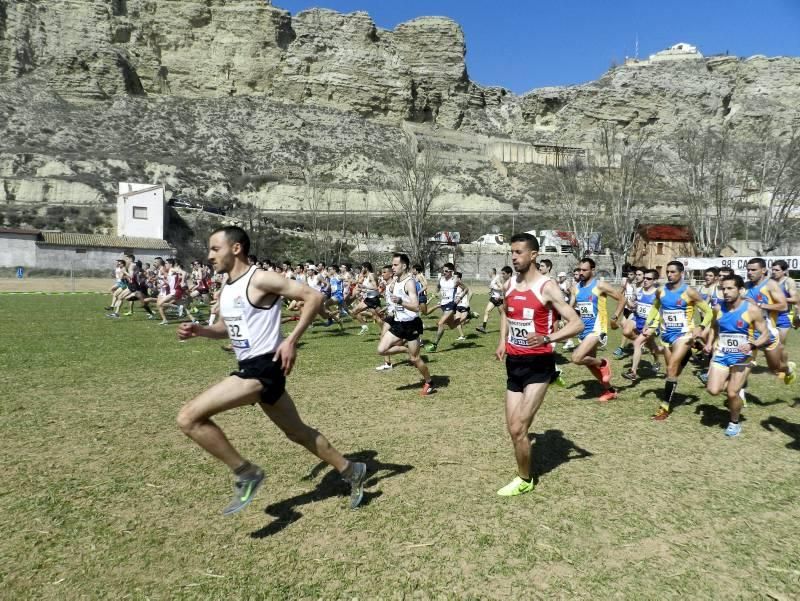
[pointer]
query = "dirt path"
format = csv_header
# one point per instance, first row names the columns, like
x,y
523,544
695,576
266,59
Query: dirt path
x,y
55,285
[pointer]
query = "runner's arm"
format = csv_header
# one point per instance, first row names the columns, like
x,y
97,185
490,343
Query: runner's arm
x,y
500,353
791,288
760,324
574,325
616,295
654,316
780,305
412,304
702,306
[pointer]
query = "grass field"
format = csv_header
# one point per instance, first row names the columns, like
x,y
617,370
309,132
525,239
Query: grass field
x,y
104,498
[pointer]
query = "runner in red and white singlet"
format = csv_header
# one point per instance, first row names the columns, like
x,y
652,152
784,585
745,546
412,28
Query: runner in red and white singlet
x,y
527,342
526,314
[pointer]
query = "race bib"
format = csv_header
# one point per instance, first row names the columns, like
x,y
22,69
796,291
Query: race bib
x,y
643,310
732,343
674,319
518,331
586,309
237,331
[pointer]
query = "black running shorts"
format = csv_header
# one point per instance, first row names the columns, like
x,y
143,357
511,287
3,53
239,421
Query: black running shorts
x,y
373,302
448,307
496,301
406,330
266,371
529,369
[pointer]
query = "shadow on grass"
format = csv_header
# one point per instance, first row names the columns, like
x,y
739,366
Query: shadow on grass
x,y
458,346
790,429
550,450
711,416
332,485
753,399
438,382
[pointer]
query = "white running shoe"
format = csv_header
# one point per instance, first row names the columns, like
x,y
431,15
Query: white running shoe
x,y
384,367
569,345
461,338
364,330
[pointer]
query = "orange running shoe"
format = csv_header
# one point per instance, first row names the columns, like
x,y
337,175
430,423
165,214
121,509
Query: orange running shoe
x,y
661,414
427,389
605,372
608,395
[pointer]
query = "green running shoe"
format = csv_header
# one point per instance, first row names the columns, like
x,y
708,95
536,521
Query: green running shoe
x,y
356,482
559,381
516,487
791,374
244,490
431,348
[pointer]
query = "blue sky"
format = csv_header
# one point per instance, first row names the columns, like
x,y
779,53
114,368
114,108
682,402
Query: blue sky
x,y
526,44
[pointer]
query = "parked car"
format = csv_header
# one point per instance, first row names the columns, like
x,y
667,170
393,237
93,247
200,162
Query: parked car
x,y
182,203
491,240
215,210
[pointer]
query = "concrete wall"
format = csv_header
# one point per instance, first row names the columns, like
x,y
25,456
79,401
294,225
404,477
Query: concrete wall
x,y
476,266
17,250
23,251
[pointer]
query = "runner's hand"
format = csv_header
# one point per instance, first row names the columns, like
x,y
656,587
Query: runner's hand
x,y
500,353
286,354
187,330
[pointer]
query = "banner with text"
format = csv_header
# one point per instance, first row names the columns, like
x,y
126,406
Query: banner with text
x,y
738,264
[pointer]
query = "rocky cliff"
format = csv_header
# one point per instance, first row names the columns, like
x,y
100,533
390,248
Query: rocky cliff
x,y
239,97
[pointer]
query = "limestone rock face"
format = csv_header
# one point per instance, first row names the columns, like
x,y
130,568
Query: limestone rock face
x,y
96,49
231,96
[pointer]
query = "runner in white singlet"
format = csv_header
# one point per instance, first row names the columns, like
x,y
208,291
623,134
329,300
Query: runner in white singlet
x,y
250,304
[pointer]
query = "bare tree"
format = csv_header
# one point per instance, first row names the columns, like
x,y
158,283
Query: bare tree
x,y
411,189
708,178
314,204
773,166
572,199
624,175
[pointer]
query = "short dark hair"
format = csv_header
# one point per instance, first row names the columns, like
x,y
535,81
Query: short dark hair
x,y
530,240
403,258
737,279
758,260
458,274
725,270
507,270
714,270
653,272
547,262
367,265
677,264
781,264
418,267
235,235
589,261
449,266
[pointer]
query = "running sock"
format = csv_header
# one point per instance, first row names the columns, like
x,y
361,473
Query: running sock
x,y
347,472
246,469
669,390
484,324
529,479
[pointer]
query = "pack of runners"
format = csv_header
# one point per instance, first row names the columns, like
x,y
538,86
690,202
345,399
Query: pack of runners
x,y
721,325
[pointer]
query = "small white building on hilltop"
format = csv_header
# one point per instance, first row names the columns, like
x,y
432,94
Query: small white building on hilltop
x,y
680,51
141,223
141,211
